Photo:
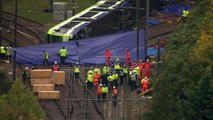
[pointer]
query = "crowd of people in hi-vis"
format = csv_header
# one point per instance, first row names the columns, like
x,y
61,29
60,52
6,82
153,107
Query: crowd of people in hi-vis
x,y
107,78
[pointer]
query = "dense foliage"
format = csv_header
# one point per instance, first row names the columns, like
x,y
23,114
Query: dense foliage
x,y
5,84
185,88
20,104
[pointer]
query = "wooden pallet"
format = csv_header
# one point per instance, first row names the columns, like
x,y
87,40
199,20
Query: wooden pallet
x,y
43,87
58,78
47,73
41,81
48,94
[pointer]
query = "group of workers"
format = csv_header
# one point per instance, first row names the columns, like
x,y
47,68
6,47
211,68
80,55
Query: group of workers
x,y
62,53
110,76
5,53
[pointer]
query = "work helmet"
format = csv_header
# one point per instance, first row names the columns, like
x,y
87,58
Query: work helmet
x,y
26,68
55,62
100,84
114,87
76,63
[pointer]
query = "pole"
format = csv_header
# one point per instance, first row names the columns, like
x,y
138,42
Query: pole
x,y
74,7
0,22
147,29
15,37
138,27
50,5
158,58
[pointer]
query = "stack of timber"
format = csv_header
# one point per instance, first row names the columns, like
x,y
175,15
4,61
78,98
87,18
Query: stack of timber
x,y
41,76
58,78
43,80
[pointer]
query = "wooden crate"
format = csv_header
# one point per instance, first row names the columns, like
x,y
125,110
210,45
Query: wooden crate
x,y
59,78
48,94
40,81
41,73
43,87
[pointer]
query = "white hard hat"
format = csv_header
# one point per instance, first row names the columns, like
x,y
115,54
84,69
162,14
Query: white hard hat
x,y
26,68
55,62
100,84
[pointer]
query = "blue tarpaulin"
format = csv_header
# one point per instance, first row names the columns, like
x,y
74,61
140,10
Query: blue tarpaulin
x,y
152,21
87,51
152,51
176,8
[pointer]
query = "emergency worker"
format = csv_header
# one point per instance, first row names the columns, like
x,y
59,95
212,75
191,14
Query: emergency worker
x,y
128,55
45,58
184,15
145,84
77,70
55,66
133,79
104,90
111,81
63,54
90,79
2,52
105,74
25,74
114,95
115,75
96,78
99,91
8,54
147,68
107,55
97,69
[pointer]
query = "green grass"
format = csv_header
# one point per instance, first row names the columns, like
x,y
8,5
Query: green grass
x,y
34,9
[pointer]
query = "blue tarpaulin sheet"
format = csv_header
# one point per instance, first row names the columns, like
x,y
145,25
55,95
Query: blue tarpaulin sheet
x,y
87,51
152,21
152,51
175,8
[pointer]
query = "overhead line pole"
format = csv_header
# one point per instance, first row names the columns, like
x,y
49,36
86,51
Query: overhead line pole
x,y
147,29
138,28
15,37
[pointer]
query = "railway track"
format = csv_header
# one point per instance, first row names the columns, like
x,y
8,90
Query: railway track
x,y
28,31
76,101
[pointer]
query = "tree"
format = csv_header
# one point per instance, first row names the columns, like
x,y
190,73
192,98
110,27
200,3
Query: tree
x,y
185,89
20,103
5,84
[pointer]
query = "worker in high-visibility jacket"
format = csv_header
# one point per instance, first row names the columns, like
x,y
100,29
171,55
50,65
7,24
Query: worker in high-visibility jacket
x,y
107,55
90,71
115,75
125,70
77,70
144,84
141,67
104,90
96,78
147,68
45,58
2,52
63,54
99,91
55,67
105,74
133,79
128,56
184,15
114,95
111,80
97,69
89,79
8,54
117,66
